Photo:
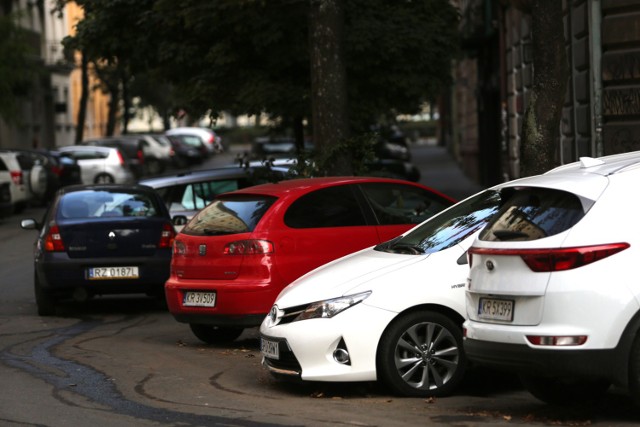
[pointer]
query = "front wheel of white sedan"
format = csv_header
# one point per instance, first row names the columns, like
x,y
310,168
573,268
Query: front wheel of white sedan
x,y
421,354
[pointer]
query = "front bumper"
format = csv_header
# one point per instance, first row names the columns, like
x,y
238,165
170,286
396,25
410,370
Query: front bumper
x,y
307,346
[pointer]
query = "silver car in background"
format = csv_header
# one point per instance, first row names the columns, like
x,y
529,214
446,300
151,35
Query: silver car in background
x,y
100,165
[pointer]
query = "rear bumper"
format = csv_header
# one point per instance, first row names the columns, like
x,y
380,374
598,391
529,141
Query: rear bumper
x,y
60,274
561,362
238,303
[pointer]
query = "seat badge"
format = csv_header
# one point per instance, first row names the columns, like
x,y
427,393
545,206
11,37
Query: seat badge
x,y
202,250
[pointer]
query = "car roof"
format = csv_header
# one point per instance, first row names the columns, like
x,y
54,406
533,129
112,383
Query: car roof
x,y
227,172
108,187
86,148
303,185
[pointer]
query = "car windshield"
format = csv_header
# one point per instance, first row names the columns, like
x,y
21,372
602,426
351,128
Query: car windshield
x,y
229,215
447,228
101,204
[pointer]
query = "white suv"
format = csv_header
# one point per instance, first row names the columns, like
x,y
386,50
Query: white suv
x,y
553,291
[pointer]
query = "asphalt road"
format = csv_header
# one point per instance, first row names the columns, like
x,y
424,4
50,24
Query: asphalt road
x,y
124,361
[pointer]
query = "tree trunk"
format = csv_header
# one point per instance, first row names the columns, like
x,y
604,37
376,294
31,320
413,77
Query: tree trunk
x,y
541,126
113,109
126,99
328,81
84,98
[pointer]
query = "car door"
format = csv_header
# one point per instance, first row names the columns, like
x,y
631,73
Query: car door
x,y
91,162
321,226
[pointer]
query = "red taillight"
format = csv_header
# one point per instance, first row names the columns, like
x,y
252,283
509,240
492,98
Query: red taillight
x,y
120,158
57,170
167,236
560,259
248,247
140,156
53,240
16,177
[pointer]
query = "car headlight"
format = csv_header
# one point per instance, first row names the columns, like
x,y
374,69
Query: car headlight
x,y
331,307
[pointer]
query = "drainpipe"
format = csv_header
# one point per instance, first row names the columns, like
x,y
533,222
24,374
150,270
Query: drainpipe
x,y
595,15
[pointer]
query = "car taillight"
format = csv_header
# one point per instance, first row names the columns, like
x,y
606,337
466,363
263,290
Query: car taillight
x,y
140,156
248,247
16,177
53,240
167,236
120,157
557,259
557,341
57,170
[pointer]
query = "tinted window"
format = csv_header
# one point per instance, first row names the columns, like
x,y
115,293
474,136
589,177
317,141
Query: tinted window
x,y
328,207
534,213
402,204
95,204
230,215
448,228
198,195
3,166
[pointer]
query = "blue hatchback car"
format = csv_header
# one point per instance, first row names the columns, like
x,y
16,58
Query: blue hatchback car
x,y
101,239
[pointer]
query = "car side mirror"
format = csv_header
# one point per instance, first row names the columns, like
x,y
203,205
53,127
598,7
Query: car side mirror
x,y
179,220
29,224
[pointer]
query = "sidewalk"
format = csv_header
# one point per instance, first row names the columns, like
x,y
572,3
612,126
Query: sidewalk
x,y
441,172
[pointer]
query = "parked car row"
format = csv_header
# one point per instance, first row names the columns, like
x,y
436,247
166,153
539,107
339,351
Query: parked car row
x,y
32,177
512,277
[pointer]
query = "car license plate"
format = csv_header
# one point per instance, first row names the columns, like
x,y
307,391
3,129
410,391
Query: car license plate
x,y
269,349
496,309
102,273
199,299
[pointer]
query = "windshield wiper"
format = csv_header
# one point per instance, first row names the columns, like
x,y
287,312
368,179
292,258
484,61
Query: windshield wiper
x,y
509,235
406,248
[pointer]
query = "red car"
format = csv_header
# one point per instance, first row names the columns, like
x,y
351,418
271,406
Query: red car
x,y
234,257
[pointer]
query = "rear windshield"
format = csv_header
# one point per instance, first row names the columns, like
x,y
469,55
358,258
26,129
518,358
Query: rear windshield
x,y
107,204
229,215
534,213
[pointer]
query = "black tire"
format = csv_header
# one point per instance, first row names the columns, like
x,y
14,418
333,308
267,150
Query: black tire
x,y
215,334
104,178
45,302
634,371
421,354
565,391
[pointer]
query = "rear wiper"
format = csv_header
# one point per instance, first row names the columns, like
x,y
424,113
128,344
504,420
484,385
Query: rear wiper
x,y
509,235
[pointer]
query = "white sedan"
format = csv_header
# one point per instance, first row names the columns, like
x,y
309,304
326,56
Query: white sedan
x,y
393,312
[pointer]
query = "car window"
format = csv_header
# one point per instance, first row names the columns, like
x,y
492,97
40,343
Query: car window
x,y
200,194
449,227
402,204
89,155
229,215
3,165
95,204
327,207
534,213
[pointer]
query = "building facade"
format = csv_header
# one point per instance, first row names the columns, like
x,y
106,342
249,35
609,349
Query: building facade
x,y
601,114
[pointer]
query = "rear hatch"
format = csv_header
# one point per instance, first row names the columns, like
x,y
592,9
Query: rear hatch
x,y
224,225
126,237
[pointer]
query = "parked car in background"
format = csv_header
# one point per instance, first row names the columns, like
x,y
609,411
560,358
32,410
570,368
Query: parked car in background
x,y
186,193
212,141
188,150
47,171
6,207
408,291
552,291
235,255
158,152
14,167
100,165
98,240
132,149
